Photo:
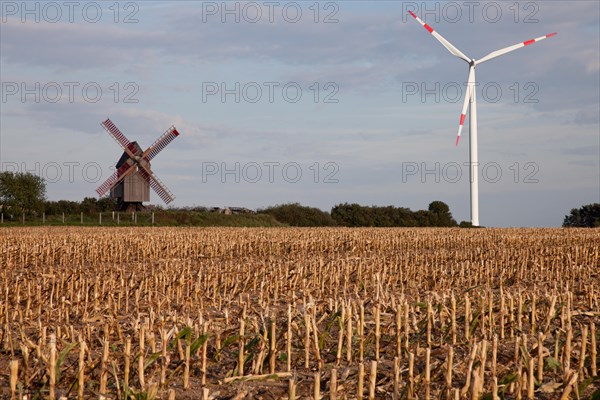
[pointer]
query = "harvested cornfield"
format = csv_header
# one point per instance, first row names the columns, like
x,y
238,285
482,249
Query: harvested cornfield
x,y
277,313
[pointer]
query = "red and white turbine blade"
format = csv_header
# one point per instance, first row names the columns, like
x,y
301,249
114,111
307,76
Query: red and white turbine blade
x,y
508,49
112,180
451,48
468,98
157,185
161,143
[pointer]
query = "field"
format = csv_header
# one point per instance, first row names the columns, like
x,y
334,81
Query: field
x,y
277,313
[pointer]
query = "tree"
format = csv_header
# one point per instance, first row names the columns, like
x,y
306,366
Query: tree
x,y
61,206
106,204
441,214
22,192
587,216
296,215
390,216
89,205
352,215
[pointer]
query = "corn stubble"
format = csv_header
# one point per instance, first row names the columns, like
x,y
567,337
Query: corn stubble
x,y
299,313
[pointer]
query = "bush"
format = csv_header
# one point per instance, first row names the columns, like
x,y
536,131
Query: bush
x,y
294,214
355,215
587,216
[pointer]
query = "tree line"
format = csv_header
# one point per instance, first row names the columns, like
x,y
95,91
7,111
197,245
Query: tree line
x,y
355,215
25,193
587,216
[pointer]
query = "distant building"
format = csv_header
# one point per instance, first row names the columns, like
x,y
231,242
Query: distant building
x,y
232,210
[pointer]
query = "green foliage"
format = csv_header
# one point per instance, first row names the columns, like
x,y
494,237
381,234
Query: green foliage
x,y
150,394
54,212
294,214
230,340
152,359
90,205
21,192
441,214
61,206
508,379
196,344
474,323
204,218
61,358
587,216
355,215
585,384
552,363
505,381
184,333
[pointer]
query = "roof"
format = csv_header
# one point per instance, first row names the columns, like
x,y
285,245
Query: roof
x,y
125,156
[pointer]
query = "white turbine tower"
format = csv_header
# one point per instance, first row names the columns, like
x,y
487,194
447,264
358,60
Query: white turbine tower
x,y
471,100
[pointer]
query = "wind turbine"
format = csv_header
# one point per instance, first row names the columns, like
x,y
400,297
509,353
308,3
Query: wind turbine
x,y
471,100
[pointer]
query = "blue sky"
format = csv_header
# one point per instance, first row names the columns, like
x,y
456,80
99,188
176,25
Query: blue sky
x,y
375,123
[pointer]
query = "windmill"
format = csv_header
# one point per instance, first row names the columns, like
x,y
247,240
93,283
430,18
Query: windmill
x,y
131,182
471,100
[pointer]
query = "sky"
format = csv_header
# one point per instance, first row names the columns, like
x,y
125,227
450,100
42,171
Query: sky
x,y
318,103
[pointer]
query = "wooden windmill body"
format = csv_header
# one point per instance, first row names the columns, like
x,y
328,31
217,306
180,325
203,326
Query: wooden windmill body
x,y
133,190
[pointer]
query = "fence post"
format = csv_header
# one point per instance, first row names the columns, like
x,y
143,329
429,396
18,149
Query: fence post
x,y
100,218
44,218
113,215
152,217
23,218
135,218
2,217
63,218
117,218
82,218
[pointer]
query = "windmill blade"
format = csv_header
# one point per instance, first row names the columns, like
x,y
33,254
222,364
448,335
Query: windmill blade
x,y
451,48
160,143
508,49
119,137
468,98
123,171
115,133
155,183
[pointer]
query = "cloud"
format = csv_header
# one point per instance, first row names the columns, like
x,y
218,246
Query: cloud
x,y
593,150
584,163
72,47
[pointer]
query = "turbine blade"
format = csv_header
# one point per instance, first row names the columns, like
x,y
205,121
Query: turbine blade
x,y
467,102
451,48
112,180
508,49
